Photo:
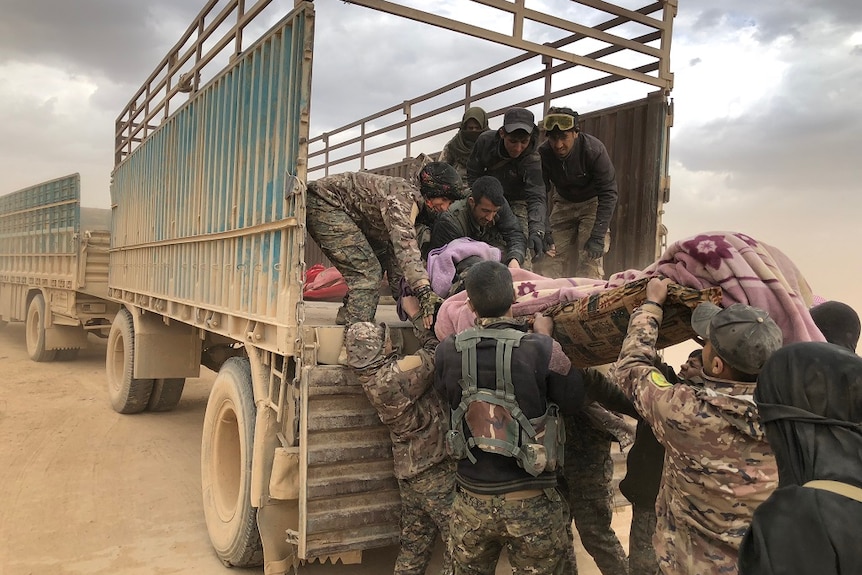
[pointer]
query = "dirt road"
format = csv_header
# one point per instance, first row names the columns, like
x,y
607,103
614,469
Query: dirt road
x,y
84,490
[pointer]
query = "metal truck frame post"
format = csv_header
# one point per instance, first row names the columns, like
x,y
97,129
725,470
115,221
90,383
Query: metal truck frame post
x,y
209,252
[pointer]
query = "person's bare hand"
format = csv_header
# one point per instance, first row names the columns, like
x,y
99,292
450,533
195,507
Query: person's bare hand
x,y
551,252
514,265
543,324
656,290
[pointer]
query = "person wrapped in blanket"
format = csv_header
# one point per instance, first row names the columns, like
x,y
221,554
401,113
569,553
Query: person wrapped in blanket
x,y
401,390
810,400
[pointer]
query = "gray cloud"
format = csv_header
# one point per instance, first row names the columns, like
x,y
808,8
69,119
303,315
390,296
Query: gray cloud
x,y
111,38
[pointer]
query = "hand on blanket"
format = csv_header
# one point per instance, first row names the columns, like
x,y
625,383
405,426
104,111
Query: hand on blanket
x,y
656,290
543,324
595,248
429,303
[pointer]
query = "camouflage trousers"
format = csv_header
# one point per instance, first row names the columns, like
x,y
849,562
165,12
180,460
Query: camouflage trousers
x,y
642,557
588,473
360,261
533,532
571,225
426,502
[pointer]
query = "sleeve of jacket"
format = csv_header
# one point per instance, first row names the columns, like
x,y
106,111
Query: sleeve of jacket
x,y
565,382
535,192
449,391
546,180
668,408
605,182
475,163
445,229
509,227
402,234
606,393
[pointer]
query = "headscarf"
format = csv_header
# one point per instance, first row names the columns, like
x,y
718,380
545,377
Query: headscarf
x,y
461,145
809,397
440,180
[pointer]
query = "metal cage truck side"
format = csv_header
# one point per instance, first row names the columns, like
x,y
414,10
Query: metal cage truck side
x,y
209,251
54,268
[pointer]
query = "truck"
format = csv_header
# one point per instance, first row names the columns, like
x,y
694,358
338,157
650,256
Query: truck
x,y
54,268
209,245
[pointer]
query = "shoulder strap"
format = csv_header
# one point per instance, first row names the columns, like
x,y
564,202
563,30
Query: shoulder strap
x,y
839,487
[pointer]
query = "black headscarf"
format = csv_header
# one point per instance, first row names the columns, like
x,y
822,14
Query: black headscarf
x,y
809,397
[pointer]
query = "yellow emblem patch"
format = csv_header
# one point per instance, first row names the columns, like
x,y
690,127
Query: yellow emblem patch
x,y
659,380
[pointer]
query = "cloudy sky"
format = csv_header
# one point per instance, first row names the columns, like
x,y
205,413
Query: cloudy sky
x,y
768,114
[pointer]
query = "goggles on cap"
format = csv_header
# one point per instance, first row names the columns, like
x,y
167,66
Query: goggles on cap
x,y
562,122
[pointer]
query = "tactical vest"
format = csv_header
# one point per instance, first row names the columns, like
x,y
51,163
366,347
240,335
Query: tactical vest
x,y
493,416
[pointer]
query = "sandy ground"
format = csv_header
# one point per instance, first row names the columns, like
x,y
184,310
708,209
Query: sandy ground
x,y
84,490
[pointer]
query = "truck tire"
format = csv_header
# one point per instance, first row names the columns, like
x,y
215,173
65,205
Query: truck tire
x,y
35,331
226,458
166,394
128,395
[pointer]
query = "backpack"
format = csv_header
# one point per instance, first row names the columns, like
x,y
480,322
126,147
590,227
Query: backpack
x,y
493,416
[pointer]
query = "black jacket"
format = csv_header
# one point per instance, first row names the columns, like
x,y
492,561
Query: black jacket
x,y
521,177
587,172
535,384
505,233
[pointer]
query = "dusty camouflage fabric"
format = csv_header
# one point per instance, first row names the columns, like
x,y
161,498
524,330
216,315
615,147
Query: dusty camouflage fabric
x,y
362,223
589,471
426,503
642,559
718,466
407,403
533,532
405,400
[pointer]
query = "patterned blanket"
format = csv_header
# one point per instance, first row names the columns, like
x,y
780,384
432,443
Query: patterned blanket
x,y
747,271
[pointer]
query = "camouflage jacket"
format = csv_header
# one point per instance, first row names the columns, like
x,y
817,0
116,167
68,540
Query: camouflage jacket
x,y
718,466
402,393
382,207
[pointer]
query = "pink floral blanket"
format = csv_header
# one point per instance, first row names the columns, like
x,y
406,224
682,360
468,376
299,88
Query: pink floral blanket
x,y
746,270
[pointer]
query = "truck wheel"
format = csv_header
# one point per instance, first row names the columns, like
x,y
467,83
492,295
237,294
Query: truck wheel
x,y
35,331
166,394
128,395
226,457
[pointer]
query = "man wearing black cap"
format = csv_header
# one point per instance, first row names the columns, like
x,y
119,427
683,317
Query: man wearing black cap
x,y
509,154
584,197
718,465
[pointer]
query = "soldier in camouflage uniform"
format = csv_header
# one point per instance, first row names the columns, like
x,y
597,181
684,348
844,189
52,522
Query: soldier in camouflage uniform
x,y
718,464
364,224
401,390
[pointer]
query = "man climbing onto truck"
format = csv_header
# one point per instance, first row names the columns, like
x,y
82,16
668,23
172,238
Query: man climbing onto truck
x,y
364,223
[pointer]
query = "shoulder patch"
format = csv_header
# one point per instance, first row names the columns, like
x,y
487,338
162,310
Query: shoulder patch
x,y
659,380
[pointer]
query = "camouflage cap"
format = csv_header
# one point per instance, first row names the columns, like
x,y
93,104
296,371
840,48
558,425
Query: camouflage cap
x,y
366,344
742,335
